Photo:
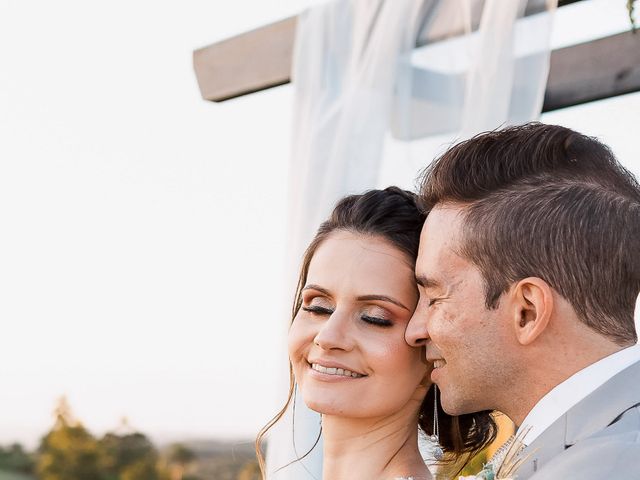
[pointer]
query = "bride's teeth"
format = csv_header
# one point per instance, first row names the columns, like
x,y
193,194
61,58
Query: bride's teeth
x,y
335,371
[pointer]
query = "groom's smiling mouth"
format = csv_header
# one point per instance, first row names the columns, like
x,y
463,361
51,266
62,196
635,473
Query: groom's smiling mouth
x,y
439,363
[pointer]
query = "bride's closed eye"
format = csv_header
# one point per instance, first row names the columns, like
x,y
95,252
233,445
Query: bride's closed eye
x,y
378,321
317,304
377,317
317,309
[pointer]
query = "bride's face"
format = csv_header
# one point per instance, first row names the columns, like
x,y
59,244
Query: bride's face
x,y
347,342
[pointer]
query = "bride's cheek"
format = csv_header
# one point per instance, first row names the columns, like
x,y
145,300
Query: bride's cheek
x,y
294,342
299,340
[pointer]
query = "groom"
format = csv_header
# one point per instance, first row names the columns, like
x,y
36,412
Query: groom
x,y
528,271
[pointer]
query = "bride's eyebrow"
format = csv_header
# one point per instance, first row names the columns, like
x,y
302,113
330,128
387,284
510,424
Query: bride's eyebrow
x,y
317,288
382,298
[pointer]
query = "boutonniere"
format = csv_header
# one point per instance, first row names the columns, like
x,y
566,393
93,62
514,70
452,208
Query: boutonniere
x,y
505,462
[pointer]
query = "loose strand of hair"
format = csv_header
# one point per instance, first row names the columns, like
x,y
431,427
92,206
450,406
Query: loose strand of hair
x,y
264,430
295,449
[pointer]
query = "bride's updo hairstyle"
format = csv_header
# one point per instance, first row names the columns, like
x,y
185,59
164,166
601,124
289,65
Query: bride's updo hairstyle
x,y
394,215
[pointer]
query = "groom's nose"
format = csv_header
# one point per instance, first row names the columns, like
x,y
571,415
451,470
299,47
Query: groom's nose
x,y
416,334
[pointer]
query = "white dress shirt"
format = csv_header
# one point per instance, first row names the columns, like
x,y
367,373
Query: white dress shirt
x,y
574,389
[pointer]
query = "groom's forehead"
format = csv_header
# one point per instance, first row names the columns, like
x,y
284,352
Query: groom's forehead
x,y
439,263
441,232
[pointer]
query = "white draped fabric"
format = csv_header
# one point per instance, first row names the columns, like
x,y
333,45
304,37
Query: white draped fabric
x,y
370,110
636,319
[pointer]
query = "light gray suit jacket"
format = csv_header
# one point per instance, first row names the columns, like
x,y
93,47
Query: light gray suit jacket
x,y
599,438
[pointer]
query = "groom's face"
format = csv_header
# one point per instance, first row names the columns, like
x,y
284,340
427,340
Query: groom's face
x,y
465,340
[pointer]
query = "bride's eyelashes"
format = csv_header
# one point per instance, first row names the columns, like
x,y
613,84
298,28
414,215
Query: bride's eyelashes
x,y
318,310
370,319
380,322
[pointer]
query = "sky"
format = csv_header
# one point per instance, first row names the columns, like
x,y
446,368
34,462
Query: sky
x,y
142,228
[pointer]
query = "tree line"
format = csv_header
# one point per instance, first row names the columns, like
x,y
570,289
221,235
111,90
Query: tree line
x,y
70,452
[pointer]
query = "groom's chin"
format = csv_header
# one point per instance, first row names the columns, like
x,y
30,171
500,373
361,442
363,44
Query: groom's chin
x,y
453,404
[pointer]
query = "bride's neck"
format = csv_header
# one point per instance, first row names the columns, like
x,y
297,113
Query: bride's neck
x,y
383,448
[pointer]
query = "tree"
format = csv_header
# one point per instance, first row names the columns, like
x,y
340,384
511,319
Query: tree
x,y
68,451
140,470
128,453
250,471
16,459
179,458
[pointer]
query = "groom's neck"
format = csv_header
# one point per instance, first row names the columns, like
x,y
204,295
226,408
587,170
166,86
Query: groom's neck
x,y
555,359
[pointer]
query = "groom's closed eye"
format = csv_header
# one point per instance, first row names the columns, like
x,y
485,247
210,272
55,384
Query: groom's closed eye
x,y
429,289
432,301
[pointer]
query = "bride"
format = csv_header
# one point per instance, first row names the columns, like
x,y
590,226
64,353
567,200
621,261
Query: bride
x,y
355,296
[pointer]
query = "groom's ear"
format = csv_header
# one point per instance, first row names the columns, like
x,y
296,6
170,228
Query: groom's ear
x,y
532,301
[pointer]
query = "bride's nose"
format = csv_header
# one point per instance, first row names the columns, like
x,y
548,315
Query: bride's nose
x,y
335,332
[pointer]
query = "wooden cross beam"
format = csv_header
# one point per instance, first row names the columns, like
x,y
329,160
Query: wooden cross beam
x,y
262,58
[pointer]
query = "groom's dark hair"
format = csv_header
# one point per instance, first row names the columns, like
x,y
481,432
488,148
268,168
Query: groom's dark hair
x,y
546,201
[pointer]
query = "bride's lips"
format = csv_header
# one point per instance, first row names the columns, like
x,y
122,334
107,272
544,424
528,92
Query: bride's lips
x,y
331,371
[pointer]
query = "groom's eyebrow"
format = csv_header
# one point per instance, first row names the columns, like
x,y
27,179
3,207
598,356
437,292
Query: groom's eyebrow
x,y
426,282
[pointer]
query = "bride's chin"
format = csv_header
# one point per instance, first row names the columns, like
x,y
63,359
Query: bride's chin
x,y
343,406
328,403
321,409
326,406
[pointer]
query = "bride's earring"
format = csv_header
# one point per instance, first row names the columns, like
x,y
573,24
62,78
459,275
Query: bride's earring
x,y
438,452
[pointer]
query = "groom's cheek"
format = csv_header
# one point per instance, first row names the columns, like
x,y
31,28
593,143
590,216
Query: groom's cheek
x,y
438,324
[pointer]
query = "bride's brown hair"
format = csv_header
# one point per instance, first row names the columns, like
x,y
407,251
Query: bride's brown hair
x,y
392,214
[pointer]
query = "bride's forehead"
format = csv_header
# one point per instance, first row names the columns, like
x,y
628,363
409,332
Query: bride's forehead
x,y
361,265
352,249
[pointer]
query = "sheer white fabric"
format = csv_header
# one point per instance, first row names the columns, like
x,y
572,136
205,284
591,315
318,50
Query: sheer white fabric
x,y
479,81
636,319
371,110
343,78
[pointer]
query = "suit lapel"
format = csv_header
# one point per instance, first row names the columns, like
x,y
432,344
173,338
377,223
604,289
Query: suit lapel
x,y
604,405
591,415
549,444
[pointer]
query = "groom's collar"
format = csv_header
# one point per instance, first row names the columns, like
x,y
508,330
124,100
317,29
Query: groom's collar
x,y
604,405
593,414
575,389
